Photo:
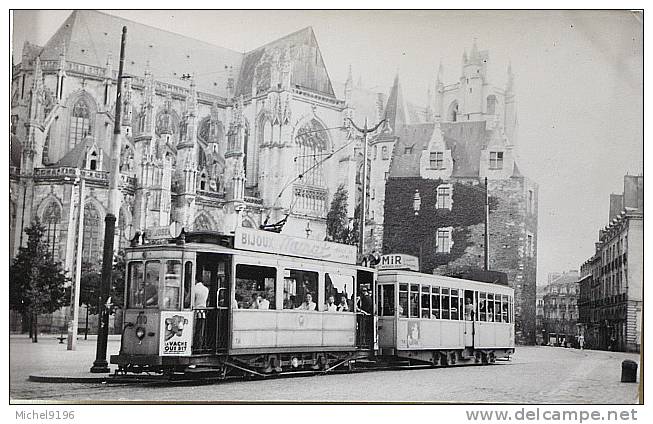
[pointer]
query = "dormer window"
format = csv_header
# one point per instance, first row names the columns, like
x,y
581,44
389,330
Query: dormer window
x,y
444,194
496,160
92,161
408,150
436,160
384,152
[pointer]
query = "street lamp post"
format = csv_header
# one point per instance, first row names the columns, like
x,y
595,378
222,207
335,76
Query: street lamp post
x,y
417,204
100,365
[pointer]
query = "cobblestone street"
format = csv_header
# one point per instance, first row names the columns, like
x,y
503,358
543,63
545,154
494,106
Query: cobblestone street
x,y
534,375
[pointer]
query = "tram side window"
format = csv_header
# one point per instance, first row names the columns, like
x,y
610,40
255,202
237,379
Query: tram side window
x,y
435,302
172,285
497,308
454,304
188,283
504,308
490,307
136,282
445,303
341,287
403,300
388,299
426,301
414,301
255,286
481,307
298,287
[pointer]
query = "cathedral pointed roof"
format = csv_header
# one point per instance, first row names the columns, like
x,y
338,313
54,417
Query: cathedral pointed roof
x,y
395,109
89,36
308,68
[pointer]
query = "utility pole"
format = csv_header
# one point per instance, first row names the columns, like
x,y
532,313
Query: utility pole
x,y
100,365
74,296
487,229
361,224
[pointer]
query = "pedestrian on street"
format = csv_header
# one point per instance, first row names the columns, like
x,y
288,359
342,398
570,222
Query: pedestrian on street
x,y
581,341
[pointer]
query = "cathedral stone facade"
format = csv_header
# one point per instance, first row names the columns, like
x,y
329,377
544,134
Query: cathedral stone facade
x,y
213,138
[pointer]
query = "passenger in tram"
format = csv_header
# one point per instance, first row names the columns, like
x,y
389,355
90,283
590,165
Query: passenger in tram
x,y
330,305
365,304
469,309
342,306
490,312
308,304
288,300
263,302
254,303
200,295
151,291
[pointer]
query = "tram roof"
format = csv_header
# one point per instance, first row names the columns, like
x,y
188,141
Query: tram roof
x,y
421,278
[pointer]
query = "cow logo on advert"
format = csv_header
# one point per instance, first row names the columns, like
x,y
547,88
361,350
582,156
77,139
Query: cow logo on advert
x,y
177,334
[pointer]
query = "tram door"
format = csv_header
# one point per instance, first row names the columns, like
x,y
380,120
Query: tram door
x,y
469,318
214,271
365,310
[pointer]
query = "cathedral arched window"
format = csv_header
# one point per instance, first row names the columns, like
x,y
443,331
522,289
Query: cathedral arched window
x,y
453,112
202,223
310,191
204,132
202,181
267,132
91,244
51,219
80,123
491,104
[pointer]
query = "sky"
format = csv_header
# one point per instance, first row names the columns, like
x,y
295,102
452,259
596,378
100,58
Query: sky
x,y
579,77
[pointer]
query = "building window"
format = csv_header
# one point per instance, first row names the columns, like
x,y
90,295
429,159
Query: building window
x,y
496,160
408,150
436,160
80,123
530,246
374,152
531,201
51,219
491,104
384,152
443,241
91,244
444,197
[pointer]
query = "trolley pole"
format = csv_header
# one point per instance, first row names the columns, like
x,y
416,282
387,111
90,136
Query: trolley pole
x,y
362,214
487,228
74,296
101,365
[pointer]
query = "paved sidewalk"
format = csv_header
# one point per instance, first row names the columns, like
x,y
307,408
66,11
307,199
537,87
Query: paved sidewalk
x,y
49,361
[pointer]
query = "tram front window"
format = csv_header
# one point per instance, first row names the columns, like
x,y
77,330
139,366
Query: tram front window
x,y
298,287
150,296
256,287
136,283
172,285
188,281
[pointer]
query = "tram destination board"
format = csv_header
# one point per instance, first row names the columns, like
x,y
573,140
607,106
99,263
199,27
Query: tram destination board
x,y
265,241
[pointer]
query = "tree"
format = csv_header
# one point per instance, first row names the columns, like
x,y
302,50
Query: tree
x,y
337,221
37,282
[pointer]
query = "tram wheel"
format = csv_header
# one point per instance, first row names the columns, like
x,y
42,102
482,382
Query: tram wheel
x,y
452,358
444,359
484,358
478,357
492,358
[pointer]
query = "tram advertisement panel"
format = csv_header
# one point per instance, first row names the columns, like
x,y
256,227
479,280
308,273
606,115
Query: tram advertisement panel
x,y
176,333
269,242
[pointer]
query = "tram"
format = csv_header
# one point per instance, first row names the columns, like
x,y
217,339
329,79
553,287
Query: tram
x,y
262,303
263,312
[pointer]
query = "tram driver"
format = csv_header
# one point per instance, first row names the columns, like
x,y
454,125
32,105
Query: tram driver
x,y
151,290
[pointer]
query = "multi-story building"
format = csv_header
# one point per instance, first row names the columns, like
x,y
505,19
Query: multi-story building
x,y
434,205
612,279
560,309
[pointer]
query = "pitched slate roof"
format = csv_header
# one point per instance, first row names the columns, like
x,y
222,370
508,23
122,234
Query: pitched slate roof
x,y
75,157
308,70
89,36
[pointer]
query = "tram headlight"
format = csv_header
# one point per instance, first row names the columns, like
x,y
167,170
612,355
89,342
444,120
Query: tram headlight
x,y
140,333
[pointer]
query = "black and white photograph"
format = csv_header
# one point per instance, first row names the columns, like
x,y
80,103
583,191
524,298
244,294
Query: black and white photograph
x,y
327,207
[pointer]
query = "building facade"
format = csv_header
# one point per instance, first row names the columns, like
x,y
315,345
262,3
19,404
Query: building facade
x,y
434,204
560,309
213,138
612,279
